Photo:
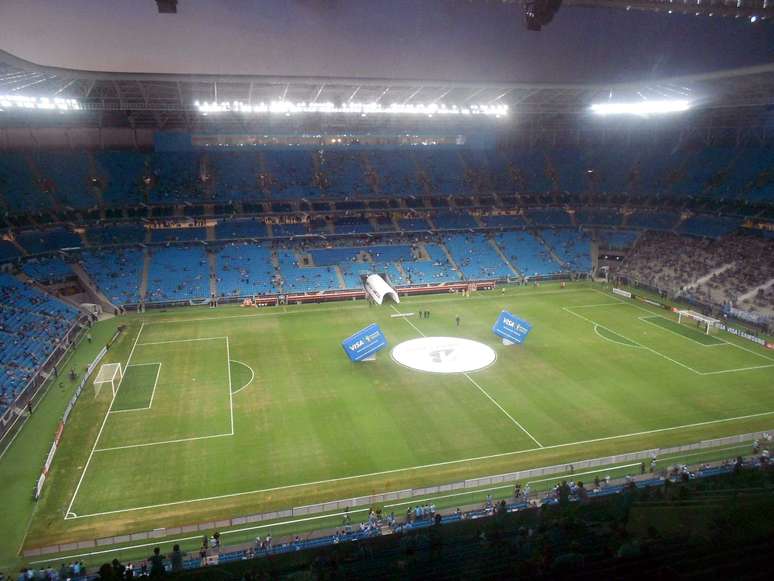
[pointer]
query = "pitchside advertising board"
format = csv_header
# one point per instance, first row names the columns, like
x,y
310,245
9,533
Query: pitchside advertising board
x,y
363,345
511,328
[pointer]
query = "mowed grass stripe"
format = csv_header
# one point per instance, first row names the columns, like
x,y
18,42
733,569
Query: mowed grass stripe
x,y
682,330
311,414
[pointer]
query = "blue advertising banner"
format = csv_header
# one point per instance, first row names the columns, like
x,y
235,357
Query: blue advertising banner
x,y
365,343
511,328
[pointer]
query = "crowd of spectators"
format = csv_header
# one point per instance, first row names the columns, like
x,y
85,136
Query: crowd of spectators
x,y
716,271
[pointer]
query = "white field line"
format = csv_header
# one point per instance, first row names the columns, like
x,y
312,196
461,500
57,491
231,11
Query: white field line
x,y
574,474
596,330
738,369
481,389
510,417
357,510
647,320
596,305
252,377
425,466
155,383
68,512
230,393
357,305
654,314
177,441
569,310
746,349
153,393
182,340
180,440
184,539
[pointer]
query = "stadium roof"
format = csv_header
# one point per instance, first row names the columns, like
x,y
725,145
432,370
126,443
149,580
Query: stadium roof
x,y
167,101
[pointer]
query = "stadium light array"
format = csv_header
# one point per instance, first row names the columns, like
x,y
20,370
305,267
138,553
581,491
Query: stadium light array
x,y
40,103
644,108
351,108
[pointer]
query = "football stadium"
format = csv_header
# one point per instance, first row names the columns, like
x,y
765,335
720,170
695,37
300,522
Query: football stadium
x,y
386,289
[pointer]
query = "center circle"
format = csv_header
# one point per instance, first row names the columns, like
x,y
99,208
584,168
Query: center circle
x,y
443,354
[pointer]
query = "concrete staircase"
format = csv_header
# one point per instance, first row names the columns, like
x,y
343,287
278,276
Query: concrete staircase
x,y
752,292
551,251
705,278
504,258
451,259
145,270
340,276
212,260
17,246
94,293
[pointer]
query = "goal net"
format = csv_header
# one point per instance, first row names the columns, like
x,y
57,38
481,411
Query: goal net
x,y
694,319
110,373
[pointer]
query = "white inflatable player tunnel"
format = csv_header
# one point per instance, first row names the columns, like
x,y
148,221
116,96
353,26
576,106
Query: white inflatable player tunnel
x,y
378,288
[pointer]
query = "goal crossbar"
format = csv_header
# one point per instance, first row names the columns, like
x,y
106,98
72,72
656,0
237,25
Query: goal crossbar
x,y
111,373
704,321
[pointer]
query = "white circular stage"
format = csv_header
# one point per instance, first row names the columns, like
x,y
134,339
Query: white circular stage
x,y
443,354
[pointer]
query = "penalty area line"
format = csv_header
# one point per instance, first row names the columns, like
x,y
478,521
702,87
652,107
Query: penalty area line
x,y
102,427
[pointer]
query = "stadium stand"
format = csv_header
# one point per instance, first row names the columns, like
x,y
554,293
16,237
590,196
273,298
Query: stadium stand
x,y
413,224
178,274
503,221
292,173
8,251
352,225
435,270
549,217
121,174
617,239
116,234
116,272
710,226
454,220
296,278
47,270
175,176
31,325
18,185
39,241
345,173
245,269
235,174
396,171
571,246
598,217
178,234
527,254
476,257
280,230
70,177
334,256
653,220
227,229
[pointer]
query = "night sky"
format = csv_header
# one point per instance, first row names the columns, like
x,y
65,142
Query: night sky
x,y
422,39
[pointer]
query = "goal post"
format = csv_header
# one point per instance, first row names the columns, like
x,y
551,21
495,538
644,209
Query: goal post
x,y
109,373
703,322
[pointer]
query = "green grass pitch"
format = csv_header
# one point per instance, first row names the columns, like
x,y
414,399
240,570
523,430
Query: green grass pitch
x,y
235,411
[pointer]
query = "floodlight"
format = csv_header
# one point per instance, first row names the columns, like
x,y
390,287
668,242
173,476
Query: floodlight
x,y
644,108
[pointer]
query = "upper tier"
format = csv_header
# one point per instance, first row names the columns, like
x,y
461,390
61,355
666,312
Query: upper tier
x,y
36,181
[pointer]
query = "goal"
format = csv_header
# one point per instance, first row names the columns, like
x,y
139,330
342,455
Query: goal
x,y
703,322
110,373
